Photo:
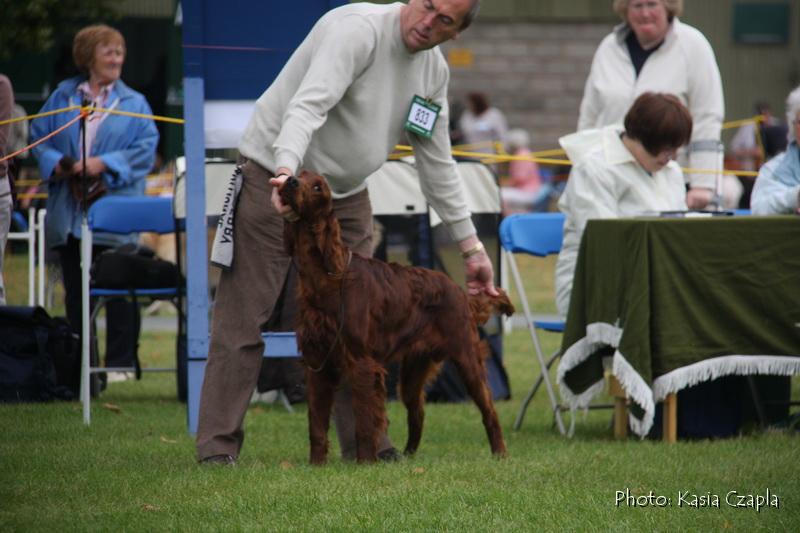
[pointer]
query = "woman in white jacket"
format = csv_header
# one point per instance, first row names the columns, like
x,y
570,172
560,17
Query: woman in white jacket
x,y
620,172
653,51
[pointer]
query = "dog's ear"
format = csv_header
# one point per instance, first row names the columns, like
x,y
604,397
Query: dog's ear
x,y
502,303
329,243
288,238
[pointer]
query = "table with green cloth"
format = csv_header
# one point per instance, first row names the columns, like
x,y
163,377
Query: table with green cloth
x,y
667,303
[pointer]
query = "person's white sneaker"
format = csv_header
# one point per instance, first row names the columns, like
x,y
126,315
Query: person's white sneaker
x,y
264,397
115,377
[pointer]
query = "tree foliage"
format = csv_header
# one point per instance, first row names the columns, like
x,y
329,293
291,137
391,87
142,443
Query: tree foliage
x,y
32,26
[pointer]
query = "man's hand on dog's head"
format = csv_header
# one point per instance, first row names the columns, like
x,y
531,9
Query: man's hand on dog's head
x,y
277,202
480,274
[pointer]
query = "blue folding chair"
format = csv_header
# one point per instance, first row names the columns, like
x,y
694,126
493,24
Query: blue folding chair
x,y
539,235
280,345
124,215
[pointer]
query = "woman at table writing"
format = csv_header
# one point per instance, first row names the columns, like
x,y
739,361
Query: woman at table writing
x,y
621,172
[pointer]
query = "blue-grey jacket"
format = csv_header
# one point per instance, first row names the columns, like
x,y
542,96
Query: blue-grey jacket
x,y
125,144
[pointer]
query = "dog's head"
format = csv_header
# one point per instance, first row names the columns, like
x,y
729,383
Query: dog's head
x,y
316,226
308,195
483,305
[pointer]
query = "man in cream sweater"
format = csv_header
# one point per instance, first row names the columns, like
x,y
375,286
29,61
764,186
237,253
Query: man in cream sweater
x,y
365,77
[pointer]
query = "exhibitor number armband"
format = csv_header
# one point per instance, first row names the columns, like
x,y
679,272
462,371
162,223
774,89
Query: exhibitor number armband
x,y
422,116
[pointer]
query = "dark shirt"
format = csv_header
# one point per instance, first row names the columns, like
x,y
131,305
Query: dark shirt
x,y
773,139
638,54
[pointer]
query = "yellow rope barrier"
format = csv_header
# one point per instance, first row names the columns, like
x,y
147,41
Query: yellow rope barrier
x,y
496,158
405,150
138,115
546,153
725,172
27,183
37,115
90,109
737,123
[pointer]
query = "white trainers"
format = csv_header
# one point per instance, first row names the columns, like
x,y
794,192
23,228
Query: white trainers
x,y
264,397
115,377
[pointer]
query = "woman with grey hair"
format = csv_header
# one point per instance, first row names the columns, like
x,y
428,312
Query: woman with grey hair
x,y
777,188
654,51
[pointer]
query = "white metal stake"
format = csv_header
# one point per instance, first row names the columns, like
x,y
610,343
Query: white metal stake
x,y
40,242
31,257
718,192
86,257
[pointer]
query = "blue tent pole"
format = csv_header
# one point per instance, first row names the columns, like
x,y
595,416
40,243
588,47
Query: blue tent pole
x,y
196,248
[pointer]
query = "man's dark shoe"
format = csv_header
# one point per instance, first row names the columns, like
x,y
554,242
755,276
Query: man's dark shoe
x,y
222,459
390,455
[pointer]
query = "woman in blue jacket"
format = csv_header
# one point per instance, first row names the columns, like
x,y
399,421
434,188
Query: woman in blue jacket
x,y
121,151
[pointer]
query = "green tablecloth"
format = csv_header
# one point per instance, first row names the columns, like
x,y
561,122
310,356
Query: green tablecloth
x,y
674,302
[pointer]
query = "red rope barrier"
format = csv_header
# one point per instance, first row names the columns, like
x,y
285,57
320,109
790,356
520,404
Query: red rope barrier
x,y
49,135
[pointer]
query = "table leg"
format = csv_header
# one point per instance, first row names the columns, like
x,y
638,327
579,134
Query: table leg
x,y
670,415
620,408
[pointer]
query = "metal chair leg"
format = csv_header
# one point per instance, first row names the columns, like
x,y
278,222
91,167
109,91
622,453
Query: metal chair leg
x,y
537,347
531,393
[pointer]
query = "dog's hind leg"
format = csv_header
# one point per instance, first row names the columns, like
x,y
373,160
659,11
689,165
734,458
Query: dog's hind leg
x,y
473,374
414,373
367,380
319,389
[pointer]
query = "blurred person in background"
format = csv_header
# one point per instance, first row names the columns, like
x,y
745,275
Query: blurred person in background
x,y
481,124
6,203
754,144
777,188
654,51
121,151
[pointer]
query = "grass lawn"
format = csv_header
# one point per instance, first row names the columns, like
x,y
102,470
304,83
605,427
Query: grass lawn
x,y
133,468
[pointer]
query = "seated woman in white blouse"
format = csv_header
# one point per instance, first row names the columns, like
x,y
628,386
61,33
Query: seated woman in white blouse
x,y
621,172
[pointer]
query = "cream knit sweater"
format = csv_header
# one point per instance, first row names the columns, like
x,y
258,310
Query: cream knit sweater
x,y
340,105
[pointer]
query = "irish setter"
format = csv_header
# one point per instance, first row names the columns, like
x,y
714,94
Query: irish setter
x,y
356,314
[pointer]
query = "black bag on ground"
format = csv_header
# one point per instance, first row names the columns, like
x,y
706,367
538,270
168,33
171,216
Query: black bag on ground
x,y
39,356
131,266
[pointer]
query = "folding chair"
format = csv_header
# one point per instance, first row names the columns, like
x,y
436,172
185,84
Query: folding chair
x,y
125,215
27,233
281,344
540,235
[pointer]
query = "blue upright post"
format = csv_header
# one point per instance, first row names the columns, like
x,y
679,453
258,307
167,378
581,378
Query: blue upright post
x,y
196,249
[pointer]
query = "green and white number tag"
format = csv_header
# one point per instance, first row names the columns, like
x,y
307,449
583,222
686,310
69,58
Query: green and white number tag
x,y
422,116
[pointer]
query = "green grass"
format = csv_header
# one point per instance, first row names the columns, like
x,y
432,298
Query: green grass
x,y
133,469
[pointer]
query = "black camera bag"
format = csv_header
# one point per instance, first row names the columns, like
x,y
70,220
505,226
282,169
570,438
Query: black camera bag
x,y
133,267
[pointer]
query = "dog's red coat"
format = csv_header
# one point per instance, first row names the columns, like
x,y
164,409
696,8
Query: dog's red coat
x,y
356,314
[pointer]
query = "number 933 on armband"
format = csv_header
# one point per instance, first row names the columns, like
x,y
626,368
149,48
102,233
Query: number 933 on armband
x,y
422,116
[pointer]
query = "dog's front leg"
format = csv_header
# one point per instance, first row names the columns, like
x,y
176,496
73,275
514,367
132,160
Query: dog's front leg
x,y
319,388
367,379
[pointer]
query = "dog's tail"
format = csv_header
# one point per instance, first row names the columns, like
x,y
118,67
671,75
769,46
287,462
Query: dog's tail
x,y
483,305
